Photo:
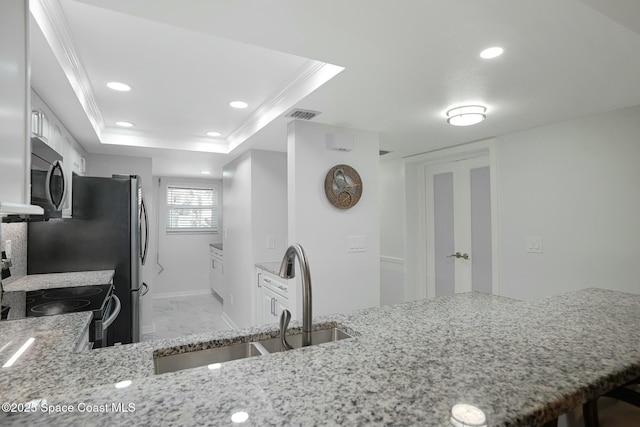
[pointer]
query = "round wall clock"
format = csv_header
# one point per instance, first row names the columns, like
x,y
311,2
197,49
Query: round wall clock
x,y
343,186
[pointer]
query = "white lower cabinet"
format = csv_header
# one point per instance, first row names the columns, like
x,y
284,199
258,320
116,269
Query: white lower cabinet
x,y
216,271
273,294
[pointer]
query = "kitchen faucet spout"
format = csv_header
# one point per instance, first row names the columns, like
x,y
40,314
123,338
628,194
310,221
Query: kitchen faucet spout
x,y
287,271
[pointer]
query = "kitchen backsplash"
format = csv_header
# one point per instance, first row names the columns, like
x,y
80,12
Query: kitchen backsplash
x,y
17,233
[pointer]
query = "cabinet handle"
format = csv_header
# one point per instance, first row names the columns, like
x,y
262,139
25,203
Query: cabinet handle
x,y
213,263
259,277
283,288
272,306
266,279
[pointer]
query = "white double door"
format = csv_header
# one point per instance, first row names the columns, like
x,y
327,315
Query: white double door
x,y
458,226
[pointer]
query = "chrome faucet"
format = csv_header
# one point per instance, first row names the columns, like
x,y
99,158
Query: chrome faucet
x,y
287,271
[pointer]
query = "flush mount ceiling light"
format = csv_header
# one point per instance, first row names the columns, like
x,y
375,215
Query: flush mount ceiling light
x,y
467,115
124,124
120,87
213,134
238,104
492,52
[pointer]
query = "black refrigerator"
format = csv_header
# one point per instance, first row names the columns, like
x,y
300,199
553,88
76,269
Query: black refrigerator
x,y
108,230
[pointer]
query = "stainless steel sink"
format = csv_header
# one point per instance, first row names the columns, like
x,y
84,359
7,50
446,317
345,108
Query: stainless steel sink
x,y
193,359
321,336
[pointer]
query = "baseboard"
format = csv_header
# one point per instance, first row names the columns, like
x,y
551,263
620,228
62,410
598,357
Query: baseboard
x,y
149,329
228,321
181,294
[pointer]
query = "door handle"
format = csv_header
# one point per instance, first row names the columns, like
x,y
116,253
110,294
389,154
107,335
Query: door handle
x,y
459,255
143,212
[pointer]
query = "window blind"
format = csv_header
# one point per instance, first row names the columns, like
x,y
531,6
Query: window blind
x,y
192,210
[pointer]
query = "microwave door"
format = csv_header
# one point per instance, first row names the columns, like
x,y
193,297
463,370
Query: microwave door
x,y
55,185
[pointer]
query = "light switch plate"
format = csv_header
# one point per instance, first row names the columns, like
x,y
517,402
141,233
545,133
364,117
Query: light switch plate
x,y
356,244
271,242
534,244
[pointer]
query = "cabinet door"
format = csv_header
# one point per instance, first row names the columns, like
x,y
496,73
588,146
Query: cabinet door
x,y
267,298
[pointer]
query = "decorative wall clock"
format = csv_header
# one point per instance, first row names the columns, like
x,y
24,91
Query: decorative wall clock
x,y
343,186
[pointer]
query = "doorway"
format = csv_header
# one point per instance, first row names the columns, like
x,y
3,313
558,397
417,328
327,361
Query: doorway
x,y
458,226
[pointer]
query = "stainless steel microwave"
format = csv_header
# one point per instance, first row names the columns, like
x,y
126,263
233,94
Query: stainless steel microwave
x,y
48,185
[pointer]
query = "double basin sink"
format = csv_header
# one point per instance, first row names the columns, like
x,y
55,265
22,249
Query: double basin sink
x,y
194,359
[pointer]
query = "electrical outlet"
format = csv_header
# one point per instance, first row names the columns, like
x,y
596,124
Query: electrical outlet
x,y
231,299
7,248
271,242
534,244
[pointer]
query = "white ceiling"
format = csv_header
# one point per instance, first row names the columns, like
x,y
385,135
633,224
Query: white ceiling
x,y
405,63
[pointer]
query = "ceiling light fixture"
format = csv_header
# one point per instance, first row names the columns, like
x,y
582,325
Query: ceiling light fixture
x,y
120,87
205,172
466,115
238,104
213,134
492,52
124,124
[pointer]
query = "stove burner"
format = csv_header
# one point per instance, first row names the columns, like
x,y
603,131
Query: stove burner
x,y
59,307
70,293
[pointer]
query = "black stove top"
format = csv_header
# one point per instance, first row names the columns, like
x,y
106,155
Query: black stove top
x,y
48,302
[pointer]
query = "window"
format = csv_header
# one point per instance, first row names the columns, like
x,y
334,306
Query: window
x,y
192,210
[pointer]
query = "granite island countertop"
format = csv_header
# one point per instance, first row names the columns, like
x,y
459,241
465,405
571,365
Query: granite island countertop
x,y
33,282
271,267
522,363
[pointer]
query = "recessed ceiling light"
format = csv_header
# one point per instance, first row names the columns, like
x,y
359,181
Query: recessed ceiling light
x,y
491,52
466,115
238,104
213,134
120,87
205,172
124,124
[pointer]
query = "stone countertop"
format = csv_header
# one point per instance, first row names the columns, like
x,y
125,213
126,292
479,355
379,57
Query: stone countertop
x,y
522,363
271,267
33,282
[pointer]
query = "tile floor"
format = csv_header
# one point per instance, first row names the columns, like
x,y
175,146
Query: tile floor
x,y
178,316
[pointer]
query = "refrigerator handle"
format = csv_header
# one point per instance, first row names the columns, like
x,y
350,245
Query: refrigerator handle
x,y
146,234
142,289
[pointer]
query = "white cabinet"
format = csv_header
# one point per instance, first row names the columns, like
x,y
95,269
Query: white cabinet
x,y
273,296
216,271
15,110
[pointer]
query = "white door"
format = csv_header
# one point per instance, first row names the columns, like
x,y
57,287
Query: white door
x,y
458,213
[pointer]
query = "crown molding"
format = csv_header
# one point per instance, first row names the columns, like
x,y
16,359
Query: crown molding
x,y
53,23
308,78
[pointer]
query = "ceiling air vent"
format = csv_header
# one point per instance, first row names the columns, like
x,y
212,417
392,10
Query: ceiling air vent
x,y
302,114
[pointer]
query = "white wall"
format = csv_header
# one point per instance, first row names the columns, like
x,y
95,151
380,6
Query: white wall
x,y
184,257
575,185
105,165
392,231
571,183
341,281
238,270
255,191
